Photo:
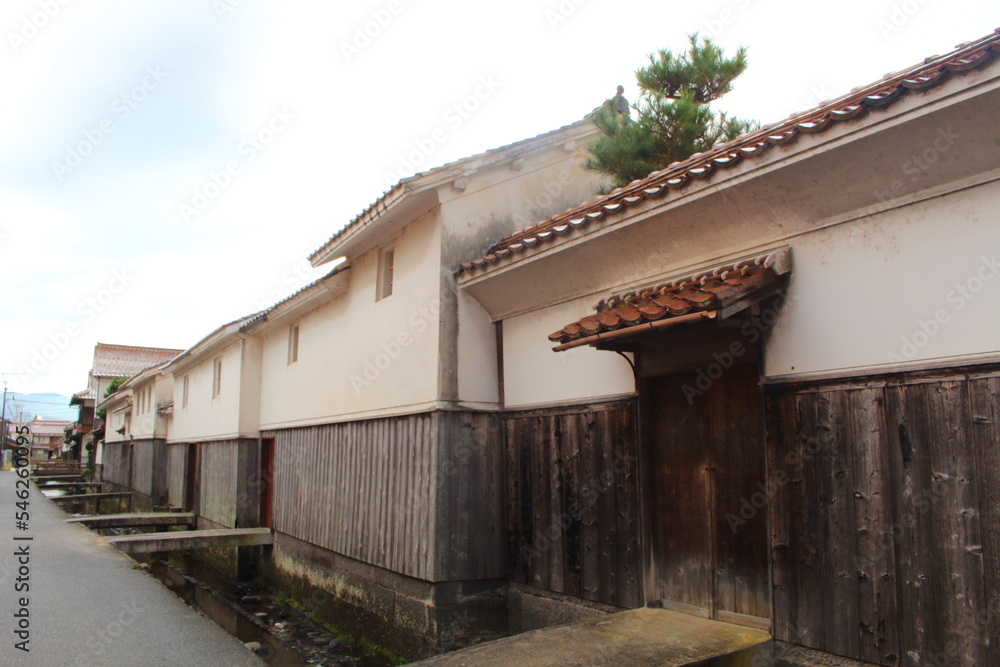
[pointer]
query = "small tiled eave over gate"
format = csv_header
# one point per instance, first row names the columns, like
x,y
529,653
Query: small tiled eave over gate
x,y
715,293
844,160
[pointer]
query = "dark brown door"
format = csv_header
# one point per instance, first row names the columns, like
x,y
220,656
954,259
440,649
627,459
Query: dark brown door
x,y
707,494
191,479
266,481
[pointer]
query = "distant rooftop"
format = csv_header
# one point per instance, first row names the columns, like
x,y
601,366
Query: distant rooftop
x,y
115,361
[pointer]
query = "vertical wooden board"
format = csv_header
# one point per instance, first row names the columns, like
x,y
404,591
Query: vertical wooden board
x,y
541,444
957,555
837,533
878,639
527,554
467,493
680,489
805,554
494,475
723,411
781,477
907,413
549,524
625,458
571,452
740,492
161,475
515,501
590,538
385,435
985,409
176,456
607,508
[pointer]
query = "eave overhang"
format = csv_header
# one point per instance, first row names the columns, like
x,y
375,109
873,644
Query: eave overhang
x,y
413,196
711,293
327,288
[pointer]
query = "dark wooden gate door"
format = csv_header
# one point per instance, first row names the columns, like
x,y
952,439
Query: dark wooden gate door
x,y
707,495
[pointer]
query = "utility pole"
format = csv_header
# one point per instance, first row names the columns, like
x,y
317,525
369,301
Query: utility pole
x,y
3,421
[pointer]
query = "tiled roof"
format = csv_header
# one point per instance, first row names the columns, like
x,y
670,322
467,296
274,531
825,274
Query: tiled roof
x,y
85,395
700,167
694,297
115,361
257,318
184,354
359,218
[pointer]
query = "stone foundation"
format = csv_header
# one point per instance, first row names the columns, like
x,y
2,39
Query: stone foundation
x,y
532,608
411,617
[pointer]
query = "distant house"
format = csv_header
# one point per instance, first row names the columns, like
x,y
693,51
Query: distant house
x,y
214,433
80,434
135,436
112,362
46,436
761,385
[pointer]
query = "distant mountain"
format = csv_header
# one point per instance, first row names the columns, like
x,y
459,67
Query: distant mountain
x,y
45,405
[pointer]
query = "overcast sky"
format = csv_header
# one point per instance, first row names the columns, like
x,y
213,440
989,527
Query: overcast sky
x,y
167,165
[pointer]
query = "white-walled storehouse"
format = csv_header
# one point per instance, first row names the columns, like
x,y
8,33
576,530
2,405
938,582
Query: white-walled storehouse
x,y
783,409
135,436
118,362
379,435
213,439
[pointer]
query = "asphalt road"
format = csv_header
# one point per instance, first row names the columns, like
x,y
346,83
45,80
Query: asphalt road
x,y
84,603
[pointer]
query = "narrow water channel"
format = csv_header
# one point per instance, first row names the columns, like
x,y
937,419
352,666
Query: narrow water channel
x,y
286,637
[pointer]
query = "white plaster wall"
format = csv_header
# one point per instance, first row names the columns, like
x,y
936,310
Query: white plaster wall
x,y
477,355
250,386
535,375
115,420
147,424
888,290
358,356
207,417
500,201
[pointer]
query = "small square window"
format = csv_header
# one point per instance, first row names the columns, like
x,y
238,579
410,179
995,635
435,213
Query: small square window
x,y
293,343
386,259
217,378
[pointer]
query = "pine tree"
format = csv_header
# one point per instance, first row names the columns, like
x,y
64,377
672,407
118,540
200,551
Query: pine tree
x,y
674,120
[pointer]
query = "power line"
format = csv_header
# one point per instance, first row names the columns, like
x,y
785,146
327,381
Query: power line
x,y
32,400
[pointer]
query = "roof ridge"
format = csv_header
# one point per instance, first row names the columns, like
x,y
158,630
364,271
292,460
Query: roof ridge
x,y
927,74
434,170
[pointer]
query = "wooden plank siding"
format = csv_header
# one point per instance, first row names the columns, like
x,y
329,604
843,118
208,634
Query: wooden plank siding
x,y
217,501
572,501
880,496
142,467
419,495
176,455
117,463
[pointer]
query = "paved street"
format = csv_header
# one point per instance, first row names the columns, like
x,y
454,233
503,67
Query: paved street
x,y
87,605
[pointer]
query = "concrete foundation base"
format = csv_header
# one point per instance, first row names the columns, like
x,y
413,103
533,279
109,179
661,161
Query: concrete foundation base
x,y
637,637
